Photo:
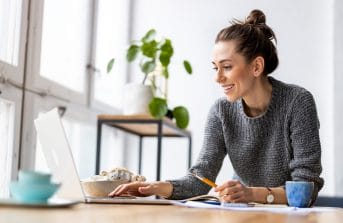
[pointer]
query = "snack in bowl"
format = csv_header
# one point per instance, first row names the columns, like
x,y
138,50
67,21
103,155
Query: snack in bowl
x,y
101,185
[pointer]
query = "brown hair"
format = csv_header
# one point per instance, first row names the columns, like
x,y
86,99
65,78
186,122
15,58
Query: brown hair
x,y
253,38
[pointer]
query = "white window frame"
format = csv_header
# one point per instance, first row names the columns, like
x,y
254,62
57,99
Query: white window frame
x,y
80,106
40,84
34,80
11,86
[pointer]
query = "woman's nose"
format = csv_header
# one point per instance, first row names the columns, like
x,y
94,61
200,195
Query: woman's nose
x,y
219,77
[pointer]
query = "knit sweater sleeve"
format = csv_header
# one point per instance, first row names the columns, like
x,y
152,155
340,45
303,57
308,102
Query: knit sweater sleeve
x,y
209,161
305,163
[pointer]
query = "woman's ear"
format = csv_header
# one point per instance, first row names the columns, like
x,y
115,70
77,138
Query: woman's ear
x,y
258,66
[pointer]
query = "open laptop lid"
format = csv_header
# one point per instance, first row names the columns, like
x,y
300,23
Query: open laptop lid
x,y
56,150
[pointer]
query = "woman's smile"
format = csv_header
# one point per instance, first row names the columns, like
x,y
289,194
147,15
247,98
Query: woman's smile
x,y
228,88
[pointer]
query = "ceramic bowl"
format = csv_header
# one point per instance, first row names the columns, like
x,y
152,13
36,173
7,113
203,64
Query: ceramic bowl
x,y
33,177
32,193
100,188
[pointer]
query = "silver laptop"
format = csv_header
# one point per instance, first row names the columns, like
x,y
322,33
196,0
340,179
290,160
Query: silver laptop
x,y
56,150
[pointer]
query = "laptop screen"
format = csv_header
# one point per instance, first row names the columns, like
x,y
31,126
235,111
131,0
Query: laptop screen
x,y
56,149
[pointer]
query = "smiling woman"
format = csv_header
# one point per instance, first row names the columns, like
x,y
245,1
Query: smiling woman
x,y
269,129
229,66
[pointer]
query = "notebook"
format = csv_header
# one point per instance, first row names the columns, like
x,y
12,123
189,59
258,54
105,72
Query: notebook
x,y
56,149
213,199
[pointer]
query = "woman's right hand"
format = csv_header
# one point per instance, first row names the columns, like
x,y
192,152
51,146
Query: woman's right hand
x,y
143,189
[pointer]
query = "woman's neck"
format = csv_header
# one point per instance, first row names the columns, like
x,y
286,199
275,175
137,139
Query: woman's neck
x,y
258,99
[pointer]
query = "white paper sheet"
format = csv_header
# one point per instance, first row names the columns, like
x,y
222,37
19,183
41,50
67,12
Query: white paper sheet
x,y
258,207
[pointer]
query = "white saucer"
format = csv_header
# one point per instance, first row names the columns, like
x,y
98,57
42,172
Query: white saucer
x,y
52,203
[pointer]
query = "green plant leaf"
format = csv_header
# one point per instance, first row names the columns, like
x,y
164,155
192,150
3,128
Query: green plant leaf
x,y
166,52
148,67
110,65
187,66
167,48
149,36
149,49
164,59
158,107
132,53
181,116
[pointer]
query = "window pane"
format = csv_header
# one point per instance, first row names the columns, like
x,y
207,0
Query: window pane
x,y
10,14
65,42
111,42
6,145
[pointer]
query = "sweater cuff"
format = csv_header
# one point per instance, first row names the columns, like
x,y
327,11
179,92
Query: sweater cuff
x,y
177,190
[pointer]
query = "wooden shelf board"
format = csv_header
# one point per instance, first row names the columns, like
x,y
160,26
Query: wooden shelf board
x,y
145,128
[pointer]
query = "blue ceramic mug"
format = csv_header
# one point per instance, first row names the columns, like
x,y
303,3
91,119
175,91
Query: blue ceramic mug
x,y
33,187
299,193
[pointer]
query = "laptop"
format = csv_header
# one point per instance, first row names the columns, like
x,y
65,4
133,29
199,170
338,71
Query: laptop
x,y
56,149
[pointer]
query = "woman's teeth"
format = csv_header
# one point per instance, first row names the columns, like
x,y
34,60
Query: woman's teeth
x,y
227,88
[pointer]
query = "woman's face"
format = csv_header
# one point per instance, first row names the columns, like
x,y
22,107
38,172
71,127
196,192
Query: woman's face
x,y
233,73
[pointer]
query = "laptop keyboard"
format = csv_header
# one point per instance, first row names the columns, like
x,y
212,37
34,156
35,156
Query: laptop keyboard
x,y
111,198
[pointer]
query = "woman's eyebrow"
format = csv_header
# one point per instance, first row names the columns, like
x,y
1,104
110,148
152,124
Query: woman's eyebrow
x,y
225,60
222,61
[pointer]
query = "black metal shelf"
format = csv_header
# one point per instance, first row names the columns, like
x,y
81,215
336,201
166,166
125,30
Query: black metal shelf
x,y
142,126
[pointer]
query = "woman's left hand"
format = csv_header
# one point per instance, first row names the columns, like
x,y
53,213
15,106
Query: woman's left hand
x,y
234,191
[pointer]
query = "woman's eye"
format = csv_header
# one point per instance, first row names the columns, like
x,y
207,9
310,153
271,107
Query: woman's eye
x,y
227,67
215,68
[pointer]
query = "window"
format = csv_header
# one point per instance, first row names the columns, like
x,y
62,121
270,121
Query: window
x,y
10,30
7,115
13,14
61,38
65,46
62,47
59,48
111,42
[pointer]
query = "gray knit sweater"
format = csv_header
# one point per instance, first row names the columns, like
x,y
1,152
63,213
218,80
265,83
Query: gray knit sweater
x,y
281,144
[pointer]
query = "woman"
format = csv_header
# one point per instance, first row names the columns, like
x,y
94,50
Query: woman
x,y
268,129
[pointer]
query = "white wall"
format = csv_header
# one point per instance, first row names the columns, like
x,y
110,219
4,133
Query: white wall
x,y
338,96
305,42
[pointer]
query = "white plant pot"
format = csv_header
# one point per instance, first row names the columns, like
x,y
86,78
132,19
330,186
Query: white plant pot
x,y
136,98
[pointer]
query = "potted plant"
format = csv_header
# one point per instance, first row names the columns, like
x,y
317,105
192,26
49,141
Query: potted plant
x,y
154,59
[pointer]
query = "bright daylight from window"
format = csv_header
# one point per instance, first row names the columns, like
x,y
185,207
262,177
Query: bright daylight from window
x,y
6,145
112,20
65,45
10,30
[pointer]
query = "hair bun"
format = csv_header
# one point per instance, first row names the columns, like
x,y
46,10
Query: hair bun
x,y
256,17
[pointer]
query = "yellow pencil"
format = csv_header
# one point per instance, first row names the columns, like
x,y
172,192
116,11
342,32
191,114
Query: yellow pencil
x,y
205,180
